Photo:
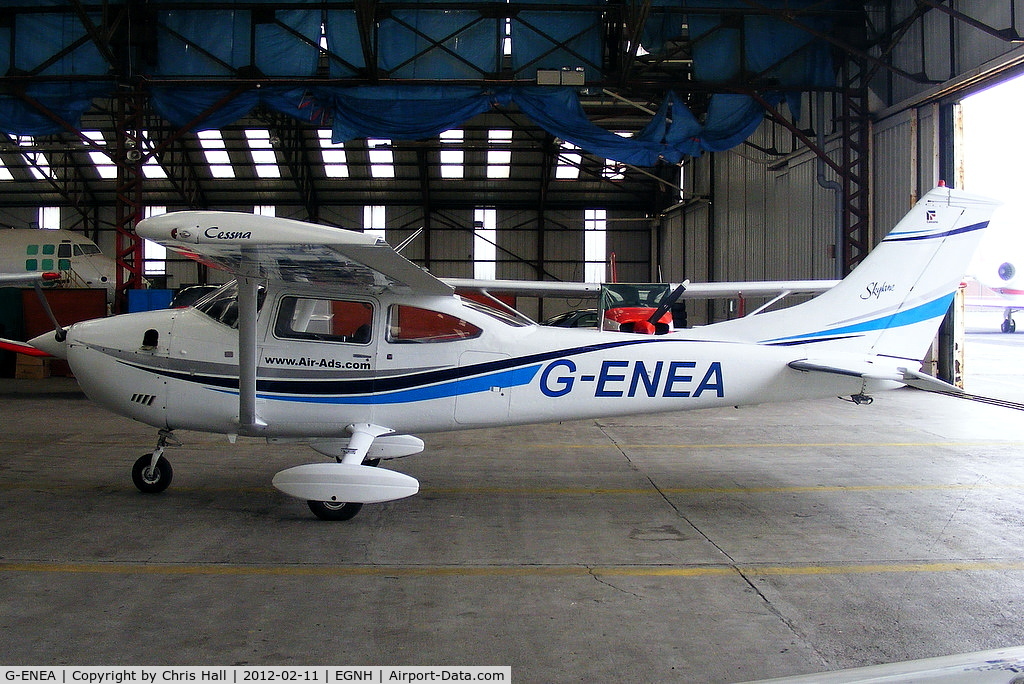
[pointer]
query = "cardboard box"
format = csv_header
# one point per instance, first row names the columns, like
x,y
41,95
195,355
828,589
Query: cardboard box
x,y
32,367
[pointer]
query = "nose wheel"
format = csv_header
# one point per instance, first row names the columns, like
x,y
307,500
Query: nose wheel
x,y
152,473
150,478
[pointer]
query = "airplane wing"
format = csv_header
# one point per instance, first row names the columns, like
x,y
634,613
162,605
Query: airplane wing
x,y
7,279
282,249
551,288
277,248
21,347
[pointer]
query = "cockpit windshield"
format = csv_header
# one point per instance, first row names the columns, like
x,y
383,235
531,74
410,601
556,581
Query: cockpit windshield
x,y
222,305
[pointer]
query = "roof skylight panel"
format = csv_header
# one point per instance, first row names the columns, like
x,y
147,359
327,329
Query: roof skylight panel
x,y
216,154
382,158
335,161
499,157
5,173
105,166
569,160
263,155
38,165
453,157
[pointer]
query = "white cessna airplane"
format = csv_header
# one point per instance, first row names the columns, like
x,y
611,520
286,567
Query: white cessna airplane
x,y
331,338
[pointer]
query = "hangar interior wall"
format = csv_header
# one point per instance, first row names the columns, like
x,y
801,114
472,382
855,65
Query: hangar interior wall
x,y
530,245
751,216
755,212
754,217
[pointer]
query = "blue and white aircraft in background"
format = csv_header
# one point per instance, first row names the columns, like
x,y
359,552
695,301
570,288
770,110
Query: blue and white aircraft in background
x,y
331,338
997,284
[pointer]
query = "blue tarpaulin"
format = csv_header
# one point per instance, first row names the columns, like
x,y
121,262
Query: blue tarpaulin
x,y
34,40
764,47
461,44
194,42
420,112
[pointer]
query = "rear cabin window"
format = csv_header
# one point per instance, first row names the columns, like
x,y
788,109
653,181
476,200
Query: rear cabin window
x,y
328,320
408,324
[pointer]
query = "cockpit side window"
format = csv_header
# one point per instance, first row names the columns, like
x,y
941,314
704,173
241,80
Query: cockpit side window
x,y
222,305
328,320
408,324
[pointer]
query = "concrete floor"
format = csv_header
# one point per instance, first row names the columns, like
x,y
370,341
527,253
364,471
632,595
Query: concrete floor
x,y
718,546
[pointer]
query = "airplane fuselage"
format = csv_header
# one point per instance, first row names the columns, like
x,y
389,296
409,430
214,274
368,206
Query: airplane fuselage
x,y
415,364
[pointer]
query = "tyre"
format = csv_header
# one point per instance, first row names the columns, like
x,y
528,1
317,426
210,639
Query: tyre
x,y
330,510
152,480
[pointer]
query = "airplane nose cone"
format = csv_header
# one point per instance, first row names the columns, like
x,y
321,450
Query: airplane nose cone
x,y
49,343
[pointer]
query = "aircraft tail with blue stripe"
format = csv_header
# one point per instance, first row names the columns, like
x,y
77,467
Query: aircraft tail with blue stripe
x,y
891,305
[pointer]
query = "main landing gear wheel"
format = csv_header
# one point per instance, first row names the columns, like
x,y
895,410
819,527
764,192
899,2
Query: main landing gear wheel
x,y
337,510
149,479
1008,326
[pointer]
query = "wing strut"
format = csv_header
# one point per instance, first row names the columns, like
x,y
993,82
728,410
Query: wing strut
x,y
59,332
247,293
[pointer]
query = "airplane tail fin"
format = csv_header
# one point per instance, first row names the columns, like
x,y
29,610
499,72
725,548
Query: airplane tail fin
x,y
892,303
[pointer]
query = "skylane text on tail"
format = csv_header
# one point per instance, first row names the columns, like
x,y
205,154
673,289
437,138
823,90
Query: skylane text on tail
x,y
331,338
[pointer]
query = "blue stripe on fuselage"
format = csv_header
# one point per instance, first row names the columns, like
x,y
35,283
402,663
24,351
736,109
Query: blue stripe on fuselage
x,y
406,388
918,314
510,378
909,236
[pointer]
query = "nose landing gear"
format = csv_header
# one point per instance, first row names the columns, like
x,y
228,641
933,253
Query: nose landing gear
x,y
152,473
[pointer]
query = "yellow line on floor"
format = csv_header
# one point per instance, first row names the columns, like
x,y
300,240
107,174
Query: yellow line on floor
x,y
219,570
589,491
551,490
51,487
519,447
779,445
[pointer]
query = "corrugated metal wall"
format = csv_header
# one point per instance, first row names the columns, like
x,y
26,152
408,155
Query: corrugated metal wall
x,y
767,220
940,47
770,219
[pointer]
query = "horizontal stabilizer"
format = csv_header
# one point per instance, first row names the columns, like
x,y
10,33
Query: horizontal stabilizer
x,y
925,382
854,369
871,371
345,483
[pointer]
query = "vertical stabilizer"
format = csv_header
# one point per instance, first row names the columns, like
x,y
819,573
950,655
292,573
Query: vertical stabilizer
x,y
892,303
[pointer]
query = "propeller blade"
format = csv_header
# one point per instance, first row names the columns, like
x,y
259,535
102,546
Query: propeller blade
x,y
666,303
